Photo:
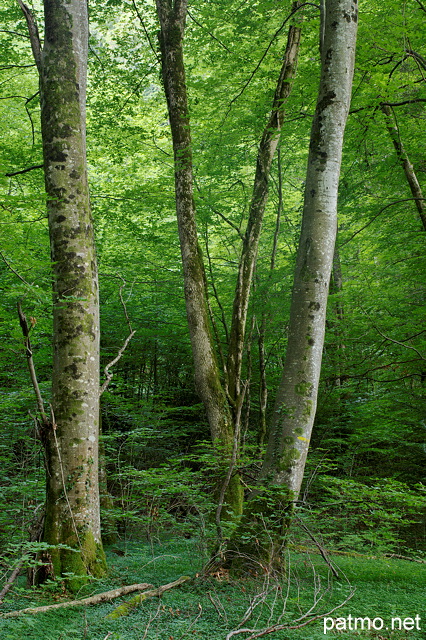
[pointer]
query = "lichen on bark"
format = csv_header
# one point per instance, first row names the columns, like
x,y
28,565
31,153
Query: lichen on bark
x,y
71,438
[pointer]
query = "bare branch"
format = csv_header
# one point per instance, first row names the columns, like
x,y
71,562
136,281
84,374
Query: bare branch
x,y
11,580
28,351
153,49
317,544
421,5
265,53
113,362
126,607
108,374
17,66
33,32
209,32
16,173
106,596
391,204
15,33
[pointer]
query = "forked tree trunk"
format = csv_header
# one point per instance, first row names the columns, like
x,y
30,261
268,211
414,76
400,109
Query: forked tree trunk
x,y
222,403
71,438
263,529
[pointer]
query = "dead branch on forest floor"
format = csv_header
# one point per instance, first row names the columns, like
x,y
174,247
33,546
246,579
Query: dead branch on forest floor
x,y
96,599
125,608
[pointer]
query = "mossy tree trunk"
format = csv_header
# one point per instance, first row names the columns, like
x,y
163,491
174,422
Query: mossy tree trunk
x,y
71,438
263,529
222,397
172,18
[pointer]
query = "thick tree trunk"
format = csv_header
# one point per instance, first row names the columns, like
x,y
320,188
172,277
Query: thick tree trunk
x,y
294,411
296,399
72,501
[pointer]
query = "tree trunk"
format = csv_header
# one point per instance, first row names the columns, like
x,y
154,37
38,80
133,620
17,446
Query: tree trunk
x,y
282,472
224,424
71,439
266,152
404,160
172,17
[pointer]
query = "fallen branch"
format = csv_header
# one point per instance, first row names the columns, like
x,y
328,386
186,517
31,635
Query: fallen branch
x,y
397,556
96,599
125,608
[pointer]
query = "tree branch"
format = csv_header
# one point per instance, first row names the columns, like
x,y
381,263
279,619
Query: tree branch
x,y
123,348
33,33
157,57
106,596
16,173
26,333
391,204
265,53
125,608
421,5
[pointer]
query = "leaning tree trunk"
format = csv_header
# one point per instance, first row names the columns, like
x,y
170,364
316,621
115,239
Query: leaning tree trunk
x,y
404,160
267,514
224,424
172,18
265,155
71,439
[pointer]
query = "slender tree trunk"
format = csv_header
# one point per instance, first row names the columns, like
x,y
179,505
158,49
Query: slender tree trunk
x,y
404,160
172,17
217,398
282,473
336,286
71,439
266,152
263,387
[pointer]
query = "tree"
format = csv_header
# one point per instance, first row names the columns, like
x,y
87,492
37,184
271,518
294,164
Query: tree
x,y
70,434
295,404
222,400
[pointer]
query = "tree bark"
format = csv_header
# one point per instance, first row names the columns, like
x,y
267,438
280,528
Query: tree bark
x,y
270,507
172,17
71,439
296,399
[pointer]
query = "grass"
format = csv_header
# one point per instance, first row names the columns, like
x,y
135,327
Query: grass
x,y
211,607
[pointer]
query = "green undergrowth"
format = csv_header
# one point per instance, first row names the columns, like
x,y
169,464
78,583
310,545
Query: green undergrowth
x,y
211,607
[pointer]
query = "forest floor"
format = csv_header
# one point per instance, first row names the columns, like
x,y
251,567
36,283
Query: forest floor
x,y
384,592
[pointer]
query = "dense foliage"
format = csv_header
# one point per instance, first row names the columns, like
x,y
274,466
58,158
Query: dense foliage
x,y
364,482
